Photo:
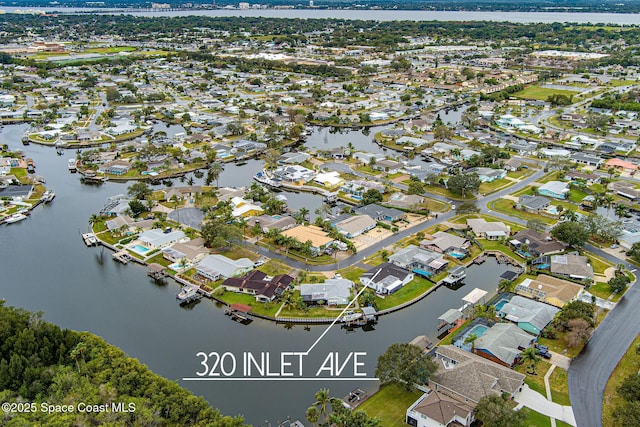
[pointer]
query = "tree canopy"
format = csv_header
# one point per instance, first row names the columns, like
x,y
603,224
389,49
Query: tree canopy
x,y
404,364
570,232
494,411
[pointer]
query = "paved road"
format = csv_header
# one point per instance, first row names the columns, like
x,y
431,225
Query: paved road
x,y
590,371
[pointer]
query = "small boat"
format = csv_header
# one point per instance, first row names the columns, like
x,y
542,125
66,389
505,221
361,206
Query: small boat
x,y
350,316
48,196
14,218
93,240
72,165
187,292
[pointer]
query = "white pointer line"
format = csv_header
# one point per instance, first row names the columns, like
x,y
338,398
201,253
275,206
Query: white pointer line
x,y
306,353
280,379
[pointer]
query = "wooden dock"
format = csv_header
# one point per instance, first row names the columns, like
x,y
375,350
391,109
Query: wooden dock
x,y
239,313
122,257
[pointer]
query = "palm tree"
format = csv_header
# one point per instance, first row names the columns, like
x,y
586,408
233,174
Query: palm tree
x,y
304,212
471,339
607,202
215,169
312,414
323,398
529,356
620,210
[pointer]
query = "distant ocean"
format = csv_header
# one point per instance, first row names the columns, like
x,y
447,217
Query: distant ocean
x,y
378,15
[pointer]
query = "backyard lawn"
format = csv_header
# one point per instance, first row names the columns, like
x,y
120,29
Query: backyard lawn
x,y
266,309
390,404
506,206
411,290
541,93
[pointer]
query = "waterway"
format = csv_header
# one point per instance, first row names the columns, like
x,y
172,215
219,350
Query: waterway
x,y
383,15
47,268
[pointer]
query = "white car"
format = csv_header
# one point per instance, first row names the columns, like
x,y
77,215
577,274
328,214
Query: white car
x,y
258,263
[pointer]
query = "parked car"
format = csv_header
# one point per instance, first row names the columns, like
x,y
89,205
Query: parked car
x,y
258,263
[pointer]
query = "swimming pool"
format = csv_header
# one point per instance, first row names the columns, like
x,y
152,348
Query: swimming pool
x,y
139,249
276,217
456,255
478,330
178,266
498,306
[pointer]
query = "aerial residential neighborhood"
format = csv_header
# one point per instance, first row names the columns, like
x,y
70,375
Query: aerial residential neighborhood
x,y
456,201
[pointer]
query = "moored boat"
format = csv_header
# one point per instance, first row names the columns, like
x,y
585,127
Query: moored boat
x,y
14,218
48,196
187,292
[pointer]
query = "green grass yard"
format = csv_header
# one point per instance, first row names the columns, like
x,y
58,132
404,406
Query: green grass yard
x,y
541,93
390,404
411,290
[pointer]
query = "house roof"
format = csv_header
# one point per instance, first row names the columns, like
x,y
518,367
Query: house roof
x,y
474,296
480,225
378,212
534,202
156,237
571,265
443,241
524,310
331,289
504,340
539,243
386,270
474,377
412,253
451,315
309,232
222,265
261,283
356,224
442,408
563,290
555,187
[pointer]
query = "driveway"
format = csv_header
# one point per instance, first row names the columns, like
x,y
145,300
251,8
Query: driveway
x,y
537,402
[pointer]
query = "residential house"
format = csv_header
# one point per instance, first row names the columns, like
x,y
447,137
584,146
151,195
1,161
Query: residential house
x,y
488,174
575,176
538,243
268,222
488,230
443,242
625,189
329,179
435,409
22,191
551,290
331,292
502,343
512,164
214,267
243,208
555,189
620,164
265,288
318,237
294,174
158,239
183,193
191,251
406,201
531,316
356,225
381,213
420,261
116,167
572,265
411,141
587,159
386,278
533,204
472,377
389,166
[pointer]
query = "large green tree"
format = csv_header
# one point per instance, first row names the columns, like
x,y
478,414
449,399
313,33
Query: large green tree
x,y
571,233
404,364
139,190
464,184
494,411
217,233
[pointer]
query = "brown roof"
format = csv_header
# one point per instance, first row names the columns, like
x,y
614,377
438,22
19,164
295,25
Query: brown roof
x,y
443,408
557,288
260,283
473,377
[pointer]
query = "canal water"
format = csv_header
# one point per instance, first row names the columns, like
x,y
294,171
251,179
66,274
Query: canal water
x,y
46,267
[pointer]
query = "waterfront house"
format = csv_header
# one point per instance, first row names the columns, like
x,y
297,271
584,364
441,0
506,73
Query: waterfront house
x,y
294,174
268,222
329,179
531,316
356,225
116,167
539,243
386,278
265,288
502,343
554,291
158,239
331,292
571,265
191,251
182,192
381,213
472,377
443,242
389,166
356,189
214,267
488,230
555,189
533,204
293,158
436,409
17,191
420,261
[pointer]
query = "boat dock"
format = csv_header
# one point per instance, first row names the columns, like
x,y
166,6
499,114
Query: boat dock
x,y
90,239
239,313
480,260
156,272
355,398
122,256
